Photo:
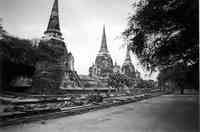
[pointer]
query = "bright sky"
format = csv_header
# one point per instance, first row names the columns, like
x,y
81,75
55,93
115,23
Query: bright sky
x,y
81,24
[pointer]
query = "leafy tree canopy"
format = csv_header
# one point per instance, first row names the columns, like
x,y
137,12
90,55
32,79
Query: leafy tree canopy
x,y
164,32
18,50
164,35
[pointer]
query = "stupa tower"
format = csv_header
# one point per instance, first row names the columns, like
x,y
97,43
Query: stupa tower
x,y
55,66
127,57
53,28
128,67
103,63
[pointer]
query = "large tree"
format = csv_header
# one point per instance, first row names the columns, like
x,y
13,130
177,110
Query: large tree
x,y
164,34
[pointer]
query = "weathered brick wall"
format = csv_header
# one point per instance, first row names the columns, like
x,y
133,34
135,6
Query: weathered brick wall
x,y
50,67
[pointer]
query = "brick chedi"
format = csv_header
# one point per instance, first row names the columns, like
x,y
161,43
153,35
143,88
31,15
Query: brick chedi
x,y
128,67
103,63
51,66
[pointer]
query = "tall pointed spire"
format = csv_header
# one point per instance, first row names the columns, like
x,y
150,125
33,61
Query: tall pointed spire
x,y
53,28
128,67
128,57
103,48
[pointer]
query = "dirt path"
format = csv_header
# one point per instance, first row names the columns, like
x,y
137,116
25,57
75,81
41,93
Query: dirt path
x,y
168,113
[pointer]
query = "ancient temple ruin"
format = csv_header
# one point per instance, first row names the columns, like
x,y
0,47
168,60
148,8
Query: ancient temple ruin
x,y
43,69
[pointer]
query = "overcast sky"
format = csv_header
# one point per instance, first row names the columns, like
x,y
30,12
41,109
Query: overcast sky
x,y
81,24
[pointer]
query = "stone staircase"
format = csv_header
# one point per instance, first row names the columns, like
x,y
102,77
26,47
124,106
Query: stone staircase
x,y
74,76
71,80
